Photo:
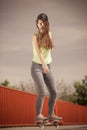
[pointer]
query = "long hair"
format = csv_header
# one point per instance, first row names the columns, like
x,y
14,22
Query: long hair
x,y
43,37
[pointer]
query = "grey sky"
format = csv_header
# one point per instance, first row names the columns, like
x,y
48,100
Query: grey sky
x,y
68,23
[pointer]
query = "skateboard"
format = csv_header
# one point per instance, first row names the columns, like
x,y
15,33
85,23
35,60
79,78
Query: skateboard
x,y
42,123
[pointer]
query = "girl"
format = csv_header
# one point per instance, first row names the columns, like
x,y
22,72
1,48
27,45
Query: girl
x,y
40,69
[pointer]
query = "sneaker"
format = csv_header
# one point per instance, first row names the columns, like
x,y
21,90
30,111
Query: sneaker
x,y
40,117
54,117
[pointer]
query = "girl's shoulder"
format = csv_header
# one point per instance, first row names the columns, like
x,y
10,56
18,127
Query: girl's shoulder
x,y
50,34
36,33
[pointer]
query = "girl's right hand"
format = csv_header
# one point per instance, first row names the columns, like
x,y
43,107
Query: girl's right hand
x,y
45,69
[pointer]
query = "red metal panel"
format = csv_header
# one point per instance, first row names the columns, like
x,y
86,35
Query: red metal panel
x,y
71,113
18,108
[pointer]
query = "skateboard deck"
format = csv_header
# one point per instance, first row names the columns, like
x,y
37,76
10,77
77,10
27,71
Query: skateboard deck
x,y
42,123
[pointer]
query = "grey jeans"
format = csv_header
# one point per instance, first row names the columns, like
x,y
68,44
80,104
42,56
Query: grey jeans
x,y
41,80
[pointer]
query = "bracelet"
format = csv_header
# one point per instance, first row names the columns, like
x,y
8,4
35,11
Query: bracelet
x,y
44,65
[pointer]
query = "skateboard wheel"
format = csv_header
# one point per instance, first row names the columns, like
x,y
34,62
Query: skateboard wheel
x,y
56,124
41,126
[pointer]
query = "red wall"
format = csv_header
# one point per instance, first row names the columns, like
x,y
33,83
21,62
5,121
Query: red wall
x,y
18,108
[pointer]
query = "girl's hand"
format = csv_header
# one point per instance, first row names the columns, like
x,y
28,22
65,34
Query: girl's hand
x,y
45,69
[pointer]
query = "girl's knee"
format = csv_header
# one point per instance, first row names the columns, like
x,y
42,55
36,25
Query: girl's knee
x,y
54,94
42,95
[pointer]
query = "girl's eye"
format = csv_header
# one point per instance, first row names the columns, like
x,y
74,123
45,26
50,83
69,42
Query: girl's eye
x,y
40,23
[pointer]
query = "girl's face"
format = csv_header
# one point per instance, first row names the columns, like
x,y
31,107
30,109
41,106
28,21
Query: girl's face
x,y
40,25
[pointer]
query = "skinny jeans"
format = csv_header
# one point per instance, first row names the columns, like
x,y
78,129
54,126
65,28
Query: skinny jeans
x,y
41,80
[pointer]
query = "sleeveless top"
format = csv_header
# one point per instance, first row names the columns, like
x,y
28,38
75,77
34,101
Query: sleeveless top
x,y
46,53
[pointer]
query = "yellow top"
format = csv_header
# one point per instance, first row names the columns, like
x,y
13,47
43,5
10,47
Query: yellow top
x,y
46,53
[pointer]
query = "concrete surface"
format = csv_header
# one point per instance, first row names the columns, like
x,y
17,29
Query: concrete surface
x,y
66,127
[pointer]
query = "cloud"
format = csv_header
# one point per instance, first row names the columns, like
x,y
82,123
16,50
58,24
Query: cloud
x,y
68,23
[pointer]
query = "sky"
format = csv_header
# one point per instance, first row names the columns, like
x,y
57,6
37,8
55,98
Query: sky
x,y
68,24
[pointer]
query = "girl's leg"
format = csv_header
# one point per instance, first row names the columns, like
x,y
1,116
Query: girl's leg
x,y
49,80
37,76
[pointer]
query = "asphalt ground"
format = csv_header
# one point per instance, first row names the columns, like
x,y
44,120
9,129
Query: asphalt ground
x,y
64,127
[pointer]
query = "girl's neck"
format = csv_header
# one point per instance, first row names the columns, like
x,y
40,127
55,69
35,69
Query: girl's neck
x,y
41,31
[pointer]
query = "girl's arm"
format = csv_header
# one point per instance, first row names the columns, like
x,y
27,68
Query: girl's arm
x,y
38,50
